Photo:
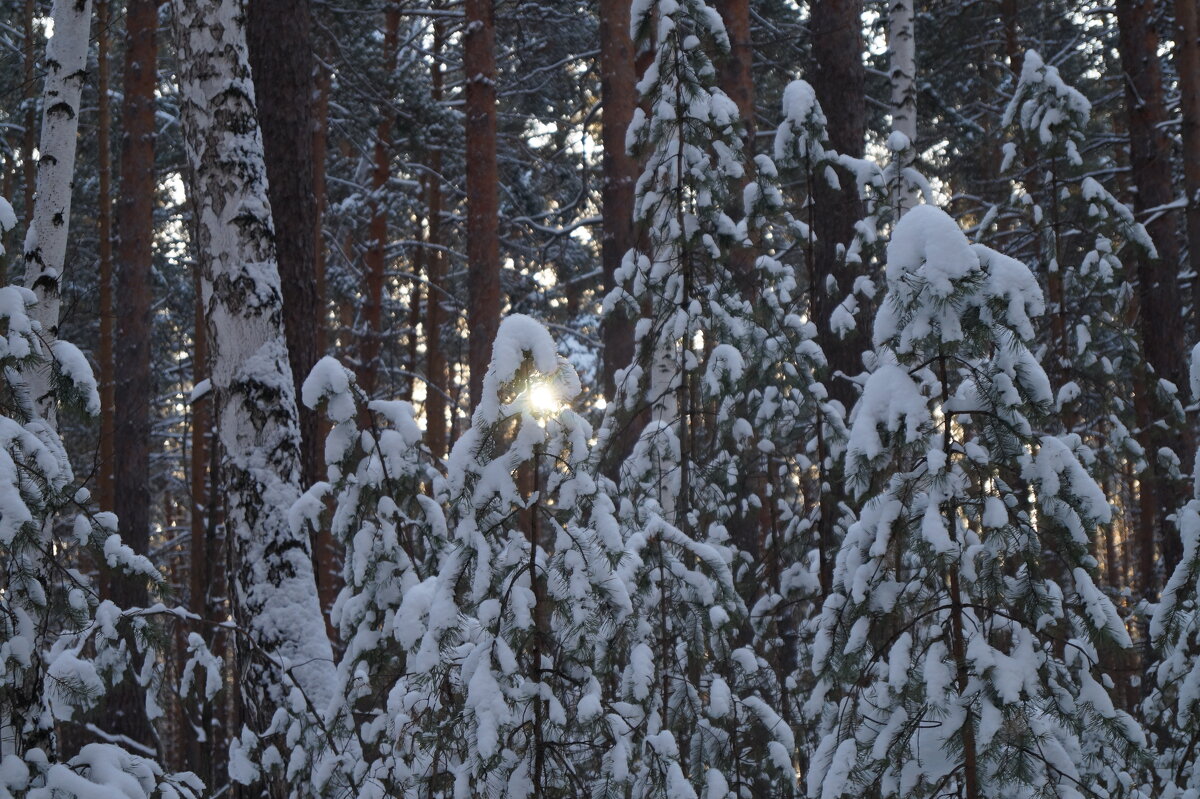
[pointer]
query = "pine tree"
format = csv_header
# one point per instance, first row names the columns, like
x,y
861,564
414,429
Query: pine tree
x,y
500,692
724,377
62,649
961,641
1172,709
383,496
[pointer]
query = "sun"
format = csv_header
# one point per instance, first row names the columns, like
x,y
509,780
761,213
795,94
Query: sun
x,y
543,399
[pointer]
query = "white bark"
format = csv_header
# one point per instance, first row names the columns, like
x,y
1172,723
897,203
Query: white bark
x,y
46,240
902,44
275,591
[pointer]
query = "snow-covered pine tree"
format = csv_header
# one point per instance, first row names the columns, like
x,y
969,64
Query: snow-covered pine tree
x,y
383,495
958,652
500,693
61,647
1075,234
724,382
1173,708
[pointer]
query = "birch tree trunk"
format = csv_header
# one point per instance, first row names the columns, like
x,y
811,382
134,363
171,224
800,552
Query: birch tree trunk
x,y
274,593
46,240
902,44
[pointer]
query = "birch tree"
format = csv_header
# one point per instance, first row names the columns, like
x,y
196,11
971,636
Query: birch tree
x,y
288,655
46,240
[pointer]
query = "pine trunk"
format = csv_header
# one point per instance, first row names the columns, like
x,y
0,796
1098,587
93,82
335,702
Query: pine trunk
x,y
376,256
104,477
1159,306
483,234
617,88
1187,67
273,592
46,241
135,258
435,357
837,77
838,80
280,39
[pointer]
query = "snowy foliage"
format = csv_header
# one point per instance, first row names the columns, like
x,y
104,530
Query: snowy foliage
x,y
951,657
61,648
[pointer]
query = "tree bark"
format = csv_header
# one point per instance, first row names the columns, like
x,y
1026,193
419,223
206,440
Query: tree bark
x,y
835,27
837,78
736,69
617,88
273,593
199,568
483,205
1159,307
29,135
435,357
104,479
135,257
326,550
377,230
1187,66
46,240
281,44
902,46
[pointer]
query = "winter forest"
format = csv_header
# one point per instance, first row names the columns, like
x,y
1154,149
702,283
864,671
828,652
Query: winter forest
x,y
599,399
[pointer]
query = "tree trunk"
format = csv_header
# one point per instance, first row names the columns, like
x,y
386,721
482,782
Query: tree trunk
x,y
483,234
1160,311
326,550
104,478
29,135
1187,66
377,230
280,39
736,69
617,88
902,45
837,78
135,256
435,357
199,568
46,241
273,592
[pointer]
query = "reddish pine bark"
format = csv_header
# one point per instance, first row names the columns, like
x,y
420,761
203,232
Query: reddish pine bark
x,y
104,479
279,33
1187,67
617,88
483,235
1159,306
375,259
837,77
435,358
134,285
